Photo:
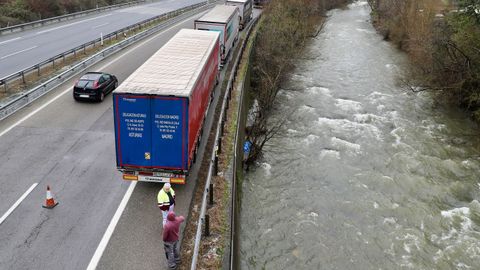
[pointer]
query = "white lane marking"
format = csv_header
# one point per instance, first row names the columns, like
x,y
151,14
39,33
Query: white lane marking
x,y
15,53
17,203
104,66
98,26
111,227
10,40
70,24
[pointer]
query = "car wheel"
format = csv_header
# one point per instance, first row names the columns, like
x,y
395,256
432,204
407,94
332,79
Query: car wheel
x,y
102,97
116,85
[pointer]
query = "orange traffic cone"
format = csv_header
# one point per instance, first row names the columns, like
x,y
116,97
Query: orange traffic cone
x,y
49,202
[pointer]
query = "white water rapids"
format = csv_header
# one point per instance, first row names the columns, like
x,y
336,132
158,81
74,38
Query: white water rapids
x,y
364,175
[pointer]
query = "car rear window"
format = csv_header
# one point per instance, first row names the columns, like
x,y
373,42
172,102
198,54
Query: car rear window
x,y
85,83
91,76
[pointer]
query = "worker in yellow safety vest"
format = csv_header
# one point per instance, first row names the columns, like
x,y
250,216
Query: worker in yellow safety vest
x,y
166,200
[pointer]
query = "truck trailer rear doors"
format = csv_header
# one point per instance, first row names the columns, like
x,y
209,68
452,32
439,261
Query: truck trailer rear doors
x,y
151,132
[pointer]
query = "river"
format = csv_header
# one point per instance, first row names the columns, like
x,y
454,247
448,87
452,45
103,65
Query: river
x,y
364,174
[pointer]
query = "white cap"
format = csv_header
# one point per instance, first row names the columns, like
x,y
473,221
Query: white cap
x,y
166,185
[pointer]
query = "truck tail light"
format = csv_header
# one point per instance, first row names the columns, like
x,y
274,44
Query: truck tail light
x,y
178,179
130,177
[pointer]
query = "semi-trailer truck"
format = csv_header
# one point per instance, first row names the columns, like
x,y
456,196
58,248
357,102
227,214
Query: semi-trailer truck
x,y
245,8
225,20
159,110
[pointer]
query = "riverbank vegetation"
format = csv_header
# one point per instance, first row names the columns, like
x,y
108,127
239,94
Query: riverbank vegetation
x,y
285,28
442,40
21,11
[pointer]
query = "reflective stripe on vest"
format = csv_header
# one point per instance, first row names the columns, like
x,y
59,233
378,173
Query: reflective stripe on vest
x,y
162,197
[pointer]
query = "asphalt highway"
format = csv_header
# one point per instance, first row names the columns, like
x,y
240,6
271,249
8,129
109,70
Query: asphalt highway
x,y
27,48
70,146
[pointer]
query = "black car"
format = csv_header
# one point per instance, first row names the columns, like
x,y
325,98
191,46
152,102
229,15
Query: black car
x,y
94,86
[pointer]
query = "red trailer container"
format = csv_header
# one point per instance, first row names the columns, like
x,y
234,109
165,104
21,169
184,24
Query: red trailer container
x,y
160,109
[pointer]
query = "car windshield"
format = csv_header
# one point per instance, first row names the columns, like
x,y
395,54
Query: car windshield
x,y
85,84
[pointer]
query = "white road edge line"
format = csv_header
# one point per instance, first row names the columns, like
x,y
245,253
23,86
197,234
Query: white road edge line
x,y
111,227
70,24
12,54
100,25
17,203
68,90
10,40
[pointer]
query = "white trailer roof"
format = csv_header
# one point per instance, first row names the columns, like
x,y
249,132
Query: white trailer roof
x,y
239,1
219,14
174,68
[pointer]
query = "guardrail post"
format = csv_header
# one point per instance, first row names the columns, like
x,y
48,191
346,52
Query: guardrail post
x,y
211,194
5,84
53,62
220,145
207,225
222,127
215,165
84,52
63,55
23,77
38,70
227,104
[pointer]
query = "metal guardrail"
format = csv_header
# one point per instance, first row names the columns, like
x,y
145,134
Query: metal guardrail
x,y
26,98
37,67
38,23
238,144
214,157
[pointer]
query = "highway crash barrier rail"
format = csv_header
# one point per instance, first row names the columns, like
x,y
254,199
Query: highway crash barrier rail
x,y
38,23
204,220
21,100
20,75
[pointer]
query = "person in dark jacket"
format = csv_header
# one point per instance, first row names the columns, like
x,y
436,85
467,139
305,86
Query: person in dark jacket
x,y
170,239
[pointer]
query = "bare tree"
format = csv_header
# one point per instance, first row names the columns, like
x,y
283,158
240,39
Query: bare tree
x,y
286,27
